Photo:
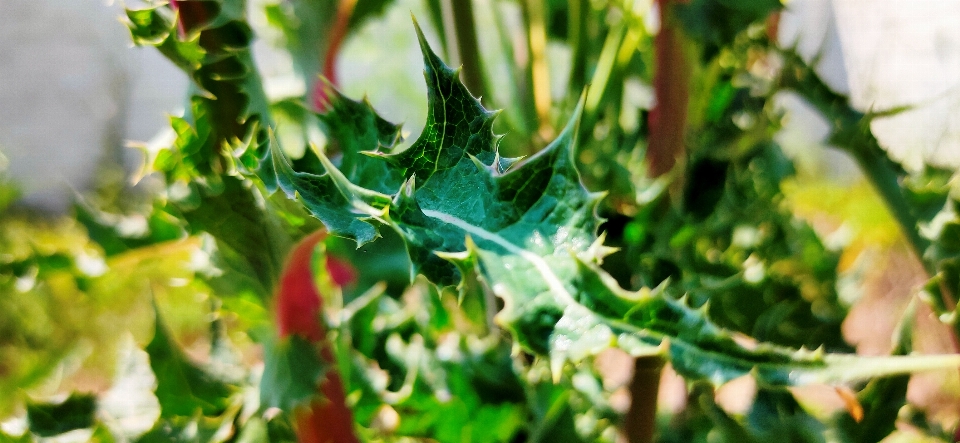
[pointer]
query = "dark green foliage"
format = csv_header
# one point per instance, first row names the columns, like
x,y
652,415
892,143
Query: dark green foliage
x,y
716,23
76,412
291,373
183,389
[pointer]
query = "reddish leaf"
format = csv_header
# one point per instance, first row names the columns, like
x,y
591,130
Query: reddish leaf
x,y
299,307
192,14
341,271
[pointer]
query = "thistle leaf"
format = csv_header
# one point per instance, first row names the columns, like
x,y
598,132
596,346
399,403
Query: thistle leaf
x,y
529,231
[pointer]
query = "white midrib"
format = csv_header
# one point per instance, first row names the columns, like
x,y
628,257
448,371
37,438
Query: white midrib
x,y
553,282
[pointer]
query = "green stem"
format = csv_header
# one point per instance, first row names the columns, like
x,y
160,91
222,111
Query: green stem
x,y
516,108
886,181
577,38
852,133
601,75
465,31
534,17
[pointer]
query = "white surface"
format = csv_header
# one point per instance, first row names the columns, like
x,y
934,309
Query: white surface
x,y
72,91
886,54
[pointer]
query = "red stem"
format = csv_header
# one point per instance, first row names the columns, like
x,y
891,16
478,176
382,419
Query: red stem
x,y
299,311
668,119
337,35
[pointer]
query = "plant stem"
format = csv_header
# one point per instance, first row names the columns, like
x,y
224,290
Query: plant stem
x,y
886,181
577,39
640,420
606,63
337,34
468,49
852,134
668,119
535,18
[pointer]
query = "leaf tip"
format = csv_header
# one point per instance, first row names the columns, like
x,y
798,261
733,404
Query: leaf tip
x,y
424,45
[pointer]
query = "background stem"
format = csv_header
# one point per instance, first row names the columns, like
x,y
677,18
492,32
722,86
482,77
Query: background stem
x,y
535,18
468,49
640,420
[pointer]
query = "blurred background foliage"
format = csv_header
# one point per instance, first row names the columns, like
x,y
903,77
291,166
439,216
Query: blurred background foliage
x,y
153,302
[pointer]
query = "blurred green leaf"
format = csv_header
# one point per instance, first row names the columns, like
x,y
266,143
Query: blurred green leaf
x,y
185,430
49,419
776,415
291,373
183,388
715,23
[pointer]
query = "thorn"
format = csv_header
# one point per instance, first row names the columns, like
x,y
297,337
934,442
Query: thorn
x,y
556,368
424,45
409,187
456,258
704,308
598,251
597,197
482,167
819,352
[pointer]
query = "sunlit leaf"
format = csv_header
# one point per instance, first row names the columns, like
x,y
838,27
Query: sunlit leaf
x,y
530,231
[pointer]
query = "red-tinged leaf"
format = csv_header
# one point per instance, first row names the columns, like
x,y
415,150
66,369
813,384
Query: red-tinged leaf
x,y
668,119
338,32
298,301
341,272
193,14
326,419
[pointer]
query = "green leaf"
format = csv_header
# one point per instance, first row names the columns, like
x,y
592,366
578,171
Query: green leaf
x,y
291,373
76,412
150,27
102,434
183,389
185,430
717,22
529,229
882,398
776,415
254,431
355,127
247,237
26,437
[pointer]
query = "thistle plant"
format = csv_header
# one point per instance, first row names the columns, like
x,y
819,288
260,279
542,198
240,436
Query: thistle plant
x,y
460,288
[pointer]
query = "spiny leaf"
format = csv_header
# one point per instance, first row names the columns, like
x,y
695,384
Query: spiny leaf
x,y
210,42
183,389
356,127
529,230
